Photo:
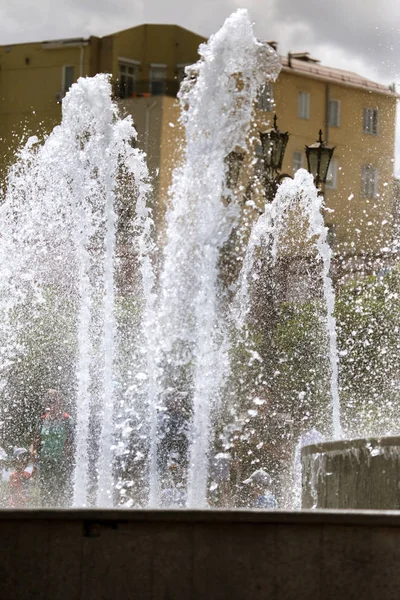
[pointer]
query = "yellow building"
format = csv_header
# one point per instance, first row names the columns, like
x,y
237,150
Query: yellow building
x,y
146,64
357,116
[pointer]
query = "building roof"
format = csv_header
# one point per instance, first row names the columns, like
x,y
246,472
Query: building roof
x,y
166,25
59,42
308,67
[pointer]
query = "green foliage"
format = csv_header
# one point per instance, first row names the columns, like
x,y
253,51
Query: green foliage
x,y
294,361
286,356
46,358
279,386
367,315
284,361
302,367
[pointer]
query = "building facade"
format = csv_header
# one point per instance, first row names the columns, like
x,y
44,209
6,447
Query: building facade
x,y
146,64
357,117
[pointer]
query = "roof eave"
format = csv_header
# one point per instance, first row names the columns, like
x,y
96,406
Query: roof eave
x,y
378,90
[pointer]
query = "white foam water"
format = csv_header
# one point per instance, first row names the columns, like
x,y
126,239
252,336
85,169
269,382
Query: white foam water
x,y
217,99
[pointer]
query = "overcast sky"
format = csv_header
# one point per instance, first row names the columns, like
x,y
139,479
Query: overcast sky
x,y
360,35
357,35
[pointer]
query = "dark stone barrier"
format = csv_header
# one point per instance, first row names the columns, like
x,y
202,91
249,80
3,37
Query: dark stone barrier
x,y
190,555
356,474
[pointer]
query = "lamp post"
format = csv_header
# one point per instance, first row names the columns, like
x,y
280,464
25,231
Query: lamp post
x,y
318,159
274,144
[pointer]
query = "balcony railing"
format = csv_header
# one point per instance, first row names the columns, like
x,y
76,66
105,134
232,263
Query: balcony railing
x,y
146,88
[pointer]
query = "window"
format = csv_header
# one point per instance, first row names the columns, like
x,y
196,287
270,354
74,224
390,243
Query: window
x,y
369,181
303,106
297,161
370,121
265,98
68,78
127,75
334,113
331,178
158,79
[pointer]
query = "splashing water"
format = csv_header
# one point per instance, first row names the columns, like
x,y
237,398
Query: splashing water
x,y
298,195
64,226
216,117
63,231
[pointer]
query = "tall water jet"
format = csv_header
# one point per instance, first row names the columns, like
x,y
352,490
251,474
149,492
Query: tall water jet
x,y
297,204
148,338
83,374
87,145
217,99
121,176
63,201
54,227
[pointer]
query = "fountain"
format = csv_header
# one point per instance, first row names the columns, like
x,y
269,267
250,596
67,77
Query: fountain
x,y
273,242
180,384
67,240
190,369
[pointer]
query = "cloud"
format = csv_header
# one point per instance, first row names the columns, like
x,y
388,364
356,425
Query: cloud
x,y
363,33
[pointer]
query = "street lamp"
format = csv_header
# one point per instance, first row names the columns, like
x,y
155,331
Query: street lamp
x,y
274,144
318,159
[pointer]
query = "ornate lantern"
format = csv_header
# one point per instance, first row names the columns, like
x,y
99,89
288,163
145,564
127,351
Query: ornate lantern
x,y
274,144
318,159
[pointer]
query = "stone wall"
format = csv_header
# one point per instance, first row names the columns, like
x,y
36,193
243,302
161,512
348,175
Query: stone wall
x,y
188,555
352,474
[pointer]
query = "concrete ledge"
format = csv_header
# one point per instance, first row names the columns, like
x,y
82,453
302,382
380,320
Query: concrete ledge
x,y
369,518
356,444
199,555
352,474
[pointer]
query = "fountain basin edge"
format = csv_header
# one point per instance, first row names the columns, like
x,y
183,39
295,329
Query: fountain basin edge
x,y
90,554
357,474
